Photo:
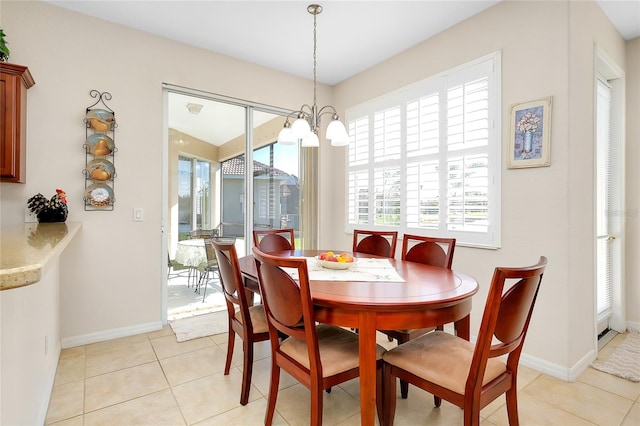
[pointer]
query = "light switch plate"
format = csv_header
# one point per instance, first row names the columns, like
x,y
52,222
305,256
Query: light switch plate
x,y
29,216
138,214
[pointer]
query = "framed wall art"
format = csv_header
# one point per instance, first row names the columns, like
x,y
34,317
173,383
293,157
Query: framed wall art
x,y
529,135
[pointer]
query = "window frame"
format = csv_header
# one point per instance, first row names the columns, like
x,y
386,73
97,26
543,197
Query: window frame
x,y
488,66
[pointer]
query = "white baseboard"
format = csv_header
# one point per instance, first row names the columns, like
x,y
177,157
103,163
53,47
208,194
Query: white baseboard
x,y
633,326
559,372
101,336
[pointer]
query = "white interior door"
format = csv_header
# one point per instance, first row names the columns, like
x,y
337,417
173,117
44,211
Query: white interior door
x,y
609,197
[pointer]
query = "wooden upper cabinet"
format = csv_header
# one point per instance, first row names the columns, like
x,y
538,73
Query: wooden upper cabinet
x,y
14,82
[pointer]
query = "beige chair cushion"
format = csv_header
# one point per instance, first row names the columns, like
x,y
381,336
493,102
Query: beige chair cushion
x,y
258,318
338,349
441,358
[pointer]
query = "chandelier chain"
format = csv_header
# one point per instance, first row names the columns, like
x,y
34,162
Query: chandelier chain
x,y
315,44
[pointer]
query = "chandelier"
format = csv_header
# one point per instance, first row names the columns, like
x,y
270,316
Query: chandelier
x,y
306,126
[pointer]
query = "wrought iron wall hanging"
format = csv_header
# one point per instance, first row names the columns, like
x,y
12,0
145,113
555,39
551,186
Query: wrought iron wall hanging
x,y
100,149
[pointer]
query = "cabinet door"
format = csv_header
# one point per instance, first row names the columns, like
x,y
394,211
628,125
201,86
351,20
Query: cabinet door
x,y
14,82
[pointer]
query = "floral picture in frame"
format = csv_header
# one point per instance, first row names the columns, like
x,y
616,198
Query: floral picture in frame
x,y
529,140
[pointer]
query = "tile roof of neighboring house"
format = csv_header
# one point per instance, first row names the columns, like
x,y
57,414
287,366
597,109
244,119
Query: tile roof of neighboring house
x,y
235,166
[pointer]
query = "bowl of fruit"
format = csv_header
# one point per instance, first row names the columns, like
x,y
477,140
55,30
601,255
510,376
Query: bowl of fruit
x,y
331,260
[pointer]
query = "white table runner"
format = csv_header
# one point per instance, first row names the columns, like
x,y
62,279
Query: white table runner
x,y
365,269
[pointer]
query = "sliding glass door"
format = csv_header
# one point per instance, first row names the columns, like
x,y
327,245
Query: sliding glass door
x,y
273,189
227,170
276,188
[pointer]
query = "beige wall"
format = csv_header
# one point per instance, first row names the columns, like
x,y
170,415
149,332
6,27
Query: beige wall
x,y
633,177
547,50
113,285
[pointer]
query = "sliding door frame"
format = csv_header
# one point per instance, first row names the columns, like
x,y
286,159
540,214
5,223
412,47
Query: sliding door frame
x,y
308,175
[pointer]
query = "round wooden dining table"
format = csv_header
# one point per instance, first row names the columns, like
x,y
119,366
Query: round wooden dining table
x,y
429,296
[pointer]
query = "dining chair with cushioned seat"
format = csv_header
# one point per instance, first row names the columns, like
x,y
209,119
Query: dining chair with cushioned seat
x,y
466,374
208,267
318,355
246,321
379,243
274,239
176,269
429,251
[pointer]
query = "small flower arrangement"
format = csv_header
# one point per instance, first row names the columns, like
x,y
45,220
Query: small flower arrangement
x,y
528,122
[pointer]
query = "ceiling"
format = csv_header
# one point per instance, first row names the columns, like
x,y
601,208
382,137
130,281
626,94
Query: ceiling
x,y
352,36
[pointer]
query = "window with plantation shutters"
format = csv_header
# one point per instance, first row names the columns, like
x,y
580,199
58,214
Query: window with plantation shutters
x,y
426,158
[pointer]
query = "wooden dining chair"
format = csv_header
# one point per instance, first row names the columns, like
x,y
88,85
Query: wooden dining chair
x,y
466,374
429,251
379,243
246,321
176,269
318,356
274,239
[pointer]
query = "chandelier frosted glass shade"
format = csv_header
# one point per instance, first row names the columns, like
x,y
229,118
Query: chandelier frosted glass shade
x,y
286,136
300,128
337,133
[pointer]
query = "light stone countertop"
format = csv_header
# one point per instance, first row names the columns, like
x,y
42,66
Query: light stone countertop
x,y
25,251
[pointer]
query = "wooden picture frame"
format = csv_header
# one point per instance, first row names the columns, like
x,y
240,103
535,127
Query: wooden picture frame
x,y
529,134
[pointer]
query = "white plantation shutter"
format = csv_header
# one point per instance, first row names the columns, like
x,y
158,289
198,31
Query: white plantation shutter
x,y
423,195
358,198
358,176
387,196
434,163
386,135
468,129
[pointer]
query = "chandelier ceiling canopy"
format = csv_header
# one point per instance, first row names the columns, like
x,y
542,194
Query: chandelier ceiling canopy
x,y
306,126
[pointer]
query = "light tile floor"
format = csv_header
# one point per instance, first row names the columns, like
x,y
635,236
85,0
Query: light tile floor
x,y
150,379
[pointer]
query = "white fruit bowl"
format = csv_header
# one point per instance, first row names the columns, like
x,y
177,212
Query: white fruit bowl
x,y
334,265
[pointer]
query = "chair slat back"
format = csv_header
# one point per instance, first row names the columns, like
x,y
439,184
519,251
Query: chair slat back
x,y
230,276
268,240
203,233
506,317
210,250
428,250
379,243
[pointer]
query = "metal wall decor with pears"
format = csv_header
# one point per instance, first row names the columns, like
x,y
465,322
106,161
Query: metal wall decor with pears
x,y
100,149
